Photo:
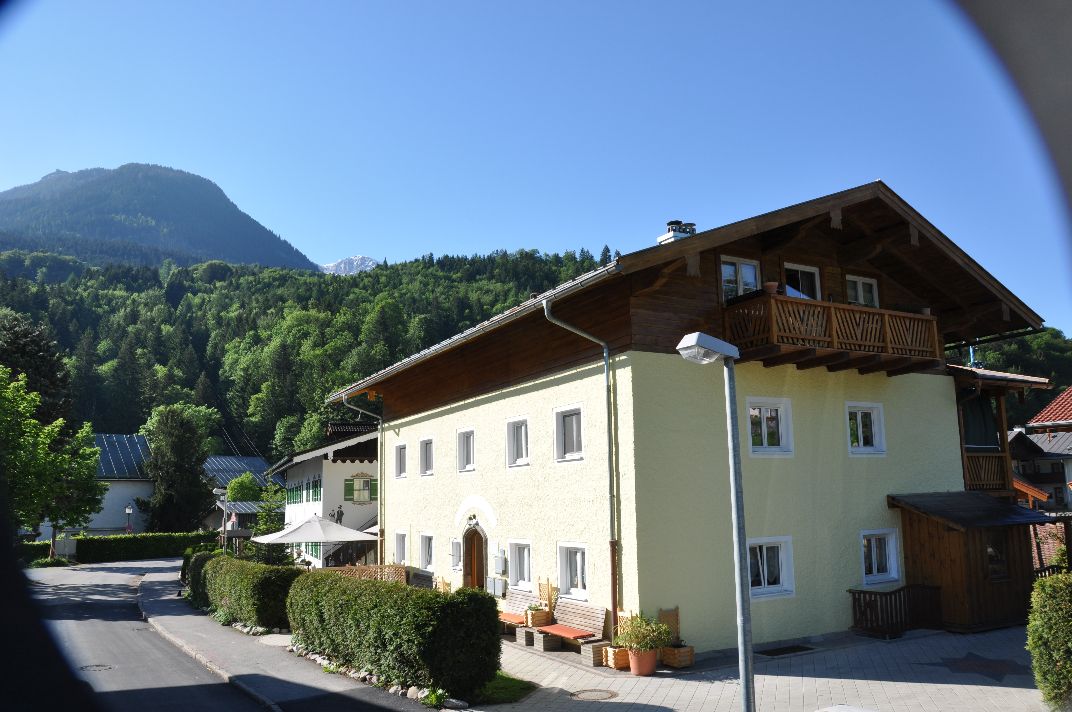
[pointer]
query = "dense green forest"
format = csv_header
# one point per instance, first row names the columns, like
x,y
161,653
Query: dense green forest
x,y
137,214
262,345
265,345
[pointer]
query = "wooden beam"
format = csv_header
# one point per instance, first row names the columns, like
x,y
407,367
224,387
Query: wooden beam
x,y
887,363
824,359
788,237
916,365
664,276
869,246
860,361
788,357
760,352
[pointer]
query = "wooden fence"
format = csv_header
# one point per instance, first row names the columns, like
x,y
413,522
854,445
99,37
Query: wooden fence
x,y
373,572
888,614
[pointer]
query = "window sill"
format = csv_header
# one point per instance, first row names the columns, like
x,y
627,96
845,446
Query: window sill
x,y
772,452
755,596
471,468
883,581
867,453
519,463
522,586
575,596
570,458
427,474
401,477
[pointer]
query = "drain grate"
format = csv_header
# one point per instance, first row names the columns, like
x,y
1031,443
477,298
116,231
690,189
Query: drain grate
x,y
593,695
95,668
785,650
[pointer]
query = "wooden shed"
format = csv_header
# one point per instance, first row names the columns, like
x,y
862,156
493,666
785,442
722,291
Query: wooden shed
x,y
976,548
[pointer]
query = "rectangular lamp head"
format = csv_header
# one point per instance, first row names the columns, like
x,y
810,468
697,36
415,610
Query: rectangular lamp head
x,y
699,347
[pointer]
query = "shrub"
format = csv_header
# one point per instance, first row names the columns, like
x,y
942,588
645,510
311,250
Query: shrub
x,y
189,553
196,574
248,592
642,632
30,550
47,562
417,636
127,547
1049,638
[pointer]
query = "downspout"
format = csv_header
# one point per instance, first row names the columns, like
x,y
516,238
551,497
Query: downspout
x,y
379,475
611,497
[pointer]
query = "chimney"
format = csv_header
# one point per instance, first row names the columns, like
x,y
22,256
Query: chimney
x,y
677,230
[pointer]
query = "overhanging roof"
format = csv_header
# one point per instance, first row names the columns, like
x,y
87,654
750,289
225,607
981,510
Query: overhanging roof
x,y
967,510
312,453
1000,379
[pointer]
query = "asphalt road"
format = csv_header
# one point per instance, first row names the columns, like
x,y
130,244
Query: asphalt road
x,y
92,613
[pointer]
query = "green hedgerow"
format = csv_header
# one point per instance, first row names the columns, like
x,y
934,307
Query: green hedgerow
x,y
248,592
47,562
30,550
196,574
129,547
1049,638
418,636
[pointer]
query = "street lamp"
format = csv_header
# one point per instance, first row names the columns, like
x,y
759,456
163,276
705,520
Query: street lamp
x,y
703,348
223,525
129,510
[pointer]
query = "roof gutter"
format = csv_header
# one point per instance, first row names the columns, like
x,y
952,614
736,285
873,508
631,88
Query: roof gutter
x,y
611,482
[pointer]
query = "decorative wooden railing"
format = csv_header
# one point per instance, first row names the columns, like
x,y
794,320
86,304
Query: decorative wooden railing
x,y
767,319
888,614
1049,571
986,471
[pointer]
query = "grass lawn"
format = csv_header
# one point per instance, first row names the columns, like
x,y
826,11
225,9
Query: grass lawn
x,y
504,689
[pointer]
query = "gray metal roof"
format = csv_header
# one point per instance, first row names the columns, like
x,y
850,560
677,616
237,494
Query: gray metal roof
x,y
244,507
224,468
122,457
1053,443
967,510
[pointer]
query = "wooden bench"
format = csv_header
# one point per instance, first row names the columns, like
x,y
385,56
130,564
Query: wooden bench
x,y
514,605
579,623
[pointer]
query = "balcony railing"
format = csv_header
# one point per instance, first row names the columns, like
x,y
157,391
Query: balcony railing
x,y
775,320
888,614
986,471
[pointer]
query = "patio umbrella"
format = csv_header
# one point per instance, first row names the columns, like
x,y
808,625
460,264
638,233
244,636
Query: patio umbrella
x,y
374,530
314,529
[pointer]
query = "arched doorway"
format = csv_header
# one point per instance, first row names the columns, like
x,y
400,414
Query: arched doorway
x,y
474,556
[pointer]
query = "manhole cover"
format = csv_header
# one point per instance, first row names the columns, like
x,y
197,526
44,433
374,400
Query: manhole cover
x,y
95,668
593,695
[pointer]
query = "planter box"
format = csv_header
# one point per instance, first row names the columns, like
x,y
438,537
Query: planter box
x,y
617,658
535,619
678,657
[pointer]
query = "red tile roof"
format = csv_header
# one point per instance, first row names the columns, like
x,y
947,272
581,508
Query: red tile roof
x,y
1058,411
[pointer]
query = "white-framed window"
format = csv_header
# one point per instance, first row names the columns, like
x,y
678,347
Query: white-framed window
x,y
866,429
400,460
517,443
739,276
359,489
425,457
427,550
770,426
573,570
520,560
878,551
568,434
801,281
770,566
466,450
861,290
456,554
400,548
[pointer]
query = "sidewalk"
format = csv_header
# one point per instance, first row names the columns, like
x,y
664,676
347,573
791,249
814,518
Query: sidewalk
x,y
923,671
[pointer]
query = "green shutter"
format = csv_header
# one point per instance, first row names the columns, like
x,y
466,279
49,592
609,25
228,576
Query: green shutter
x,y
374,487
348,490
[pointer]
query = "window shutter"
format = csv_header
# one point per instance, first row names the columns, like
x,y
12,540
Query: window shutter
x,y
348,490
374,487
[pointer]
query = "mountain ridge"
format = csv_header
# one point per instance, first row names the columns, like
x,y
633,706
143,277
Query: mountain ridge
x,y
350,265
94,214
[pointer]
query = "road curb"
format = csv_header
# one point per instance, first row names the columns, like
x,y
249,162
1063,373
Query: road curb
x,y
204,661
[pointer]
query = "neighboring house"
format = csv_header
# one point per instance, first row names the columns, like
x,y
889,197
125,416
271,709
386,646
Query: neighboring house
x,y
1056,417
338,478
1044,461
513,452
221,469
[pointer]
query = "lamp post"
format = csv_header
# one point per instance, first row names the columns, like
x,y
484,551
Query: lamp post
x,y
703,348
129,510
222,493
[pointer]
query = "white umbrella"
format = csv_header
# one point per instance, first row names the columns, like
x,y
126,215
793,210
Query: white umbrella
x,y
314,529
374,530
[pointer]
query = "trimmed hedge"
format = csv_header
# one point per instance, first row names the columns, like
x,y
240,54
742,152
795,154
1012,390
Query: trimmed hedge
x,y
189,554
252,593
128,547
411,635
31,550
196,573
1049,638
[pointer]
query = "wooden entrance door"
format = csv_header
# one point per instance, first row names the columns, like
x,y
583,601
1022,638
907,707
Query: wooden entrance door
x,y
475,556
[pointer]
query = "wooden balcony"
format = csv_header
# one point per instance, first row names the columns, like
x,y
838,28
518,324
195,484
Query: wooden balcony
x,y
780,330
989,471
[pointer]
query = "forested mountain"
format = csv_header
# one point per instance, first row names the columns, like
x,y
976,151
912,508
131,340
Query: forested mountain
x,y
137,214
263,345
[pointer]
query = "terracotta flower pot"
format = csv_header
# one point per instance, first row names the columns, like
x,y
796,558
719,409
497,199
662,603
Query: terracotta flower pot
x,y
770,287
643,662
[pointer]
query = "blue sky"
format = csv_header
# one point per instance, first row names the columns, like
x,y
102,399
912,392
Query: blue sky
x,y
398,129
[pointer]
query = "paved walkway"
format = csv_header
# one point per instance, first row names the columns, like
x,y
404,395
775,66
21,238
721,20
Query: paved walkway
x,y
923,671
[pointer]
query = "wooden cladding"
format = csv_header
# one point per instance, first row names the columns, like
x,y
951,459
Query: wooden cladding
x,y
986,471
774,320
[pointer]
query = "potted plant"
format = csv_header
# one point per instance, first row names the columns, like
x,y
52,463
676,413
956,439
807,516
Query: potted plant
x,y
643,636
536,616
